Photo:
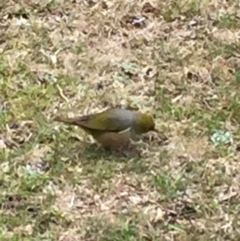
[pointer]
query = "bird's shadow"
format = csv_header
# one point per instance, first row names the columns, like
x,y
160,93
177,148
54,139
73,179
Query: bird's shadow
x,y
91,156
95,155
95,152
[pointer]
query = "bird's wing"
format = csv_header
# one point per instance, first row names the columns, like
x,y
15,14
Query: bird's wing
x,y
103,123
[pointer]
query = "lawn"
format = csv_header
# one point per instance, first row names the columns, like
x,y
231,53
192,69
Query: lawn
x,y
179,60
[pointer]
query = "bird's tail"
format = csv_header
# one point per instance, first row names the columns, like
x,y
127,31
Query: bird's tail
x,y
70,121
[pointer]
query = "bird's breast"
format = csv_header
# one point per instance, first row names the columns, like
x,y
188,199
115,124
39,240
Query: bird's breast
x,y
113,139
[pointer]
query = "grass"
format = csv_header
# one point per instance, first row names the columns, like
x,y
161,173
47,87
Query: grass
x,y
178,60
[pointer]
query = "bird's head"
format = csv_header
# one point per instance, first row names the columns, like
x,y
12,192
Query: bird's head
x,y
144,123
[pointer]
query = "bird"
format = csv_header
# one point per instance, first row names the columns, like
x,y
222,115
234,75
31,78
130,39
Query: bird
x,y
114,127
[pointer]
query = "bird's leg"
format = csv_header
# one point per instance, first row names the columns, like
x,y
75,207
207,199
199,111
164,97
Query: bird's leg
x,y
127,150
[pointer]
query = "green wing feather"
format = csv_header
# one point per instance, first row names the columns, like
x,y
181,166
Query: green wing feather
x,y
113,120
101,122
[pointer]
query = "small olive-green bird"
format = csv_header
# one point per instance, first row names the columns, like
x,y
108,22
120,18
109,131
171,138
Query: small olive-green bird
x,y
113,127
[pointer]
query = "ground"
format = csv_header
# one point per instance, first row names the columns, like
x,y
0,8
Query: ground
x,y
179,60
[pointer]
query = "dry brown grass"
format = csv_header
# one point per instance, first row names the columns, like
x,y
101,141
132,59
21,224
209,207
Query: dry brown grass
x,y
176,59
